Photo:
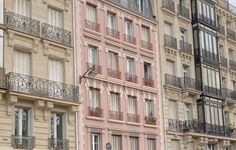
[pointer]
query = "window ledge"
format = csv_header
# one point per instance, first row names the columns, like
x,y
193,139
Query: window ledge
x,y
116,121
133,123
150,126
95,118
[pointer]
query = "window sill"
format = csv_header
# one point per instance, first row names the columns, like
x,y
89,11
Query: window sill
x,y
150,126
95,118
116,121
133,123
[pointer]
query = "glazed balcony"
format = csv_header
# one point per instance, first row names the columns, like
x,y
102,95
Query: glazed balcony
x,y
170,41
129,39
146,45
92,25
232,65
185,47
114,73
23,142
97,68
231,34
210,55
189,83
169,5
41,87
22,23
212,90
95,111
113,33
116,115
221,29
204,19
56,34
172,80
150,120
58,144
131,77
148,81
224,62
183,11
227,93
133,118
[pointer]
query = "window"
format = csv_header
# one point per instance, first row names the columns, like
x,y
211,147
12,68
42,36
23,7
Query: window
x,y
233,85
212,147
115,102
147,70
91,13
170,67
57,127
175,145
132,105
1,13
188,111
128,28
206,10
151,144
130,66
111,21
145,34
186,71
168,29
22,122
1,47
94,98
149,108
172,110
22,63
22,7
183,35
116,142
211,77
55,70
55,17
95,141
227,119
93,55
134,143
231,54
113,60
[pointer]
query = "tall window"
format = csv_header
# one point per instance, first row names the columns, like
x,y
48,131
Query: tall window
x,y
188,111
95,141
211,77
55,17
149,108
22,122
1,13
115,102
231,54
130,66
183,35
1,46
212,146
168,28
91,13
113,60
111,21
145,34
206,10
147,70
116,142
93,55
22,63
175,144
134,143
22,7
128,28
94,98
132,105
57,127
151,144
172,110
55,70
170,67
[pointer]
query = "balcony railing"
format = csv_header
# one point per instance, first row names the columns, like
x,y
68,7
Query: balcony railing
x,y
41,87
170,41
221,29
56,34
231,34
23,142
95,111
129,39
114,73
150,120
227,6
148,81
189,83
97,68
22,23
113,33
175,125
172,80
212,90
146,45
210,55
133,118
169,4
227,93
205,20
185,47
131,77
183,11
232,65
58,144
92,25
115,115
224,62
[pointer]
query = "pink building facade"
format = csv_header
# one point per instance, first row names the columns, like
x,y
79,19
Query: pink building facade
x,y
120,105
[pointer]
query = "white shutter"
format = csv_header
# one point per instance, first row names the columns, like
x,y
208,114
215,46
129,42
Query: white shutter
x,y
55,17
22,7
91,13
22,63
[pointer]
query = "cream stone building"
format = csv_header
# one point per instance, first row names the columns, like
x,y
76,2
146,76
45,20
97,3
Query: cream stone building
x,y
39,99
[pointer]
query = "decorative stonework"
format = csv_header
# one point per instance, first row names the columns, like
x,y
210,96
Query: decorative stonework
x,y
224,72
10,38
232,75
38,106
45,47
171,94
186,58
47,109
67,4
170,54
11,101
71,113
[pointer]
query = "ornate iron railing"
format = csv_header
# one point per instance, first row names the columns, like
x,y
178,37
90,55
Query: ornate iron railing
x,y
95,111
221,29
114,73
97,68
231,34
146,45
23,142
41,87
56,34
183,11
116,115
227,93
185,47
148,81
22,23
133,118
227,6
224,62
113,33
129,39
131,77
169,4
58,144
170,41
232,65
150,120
92,25
172,80
189,83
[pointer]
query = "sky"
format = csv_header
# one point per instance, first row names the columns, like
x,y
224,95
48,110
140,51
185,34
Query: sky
x,y
233,2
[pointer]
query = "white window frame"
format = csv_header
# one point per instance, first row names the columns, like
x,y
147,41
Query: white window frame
x,y
93,143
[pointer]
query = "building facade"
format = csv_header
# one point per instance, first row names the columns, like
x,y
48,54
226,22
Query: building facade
x,y
120,105
39,99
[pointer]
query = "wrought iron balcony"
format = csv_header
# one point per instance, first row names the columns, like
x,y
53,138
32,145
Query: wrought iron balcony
x,y
133,118
172,80
227,6
169,4
189,83
92,25
148,81
185,47
224,62
22,23
150,120
221,29
97,68
95,111
212,90
232,65
114,73
227,93
170,41
231,34
41,87
183,11
116,115
23,142
58,144
146,45
129,39
113,33
175,125
56,34
131,77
